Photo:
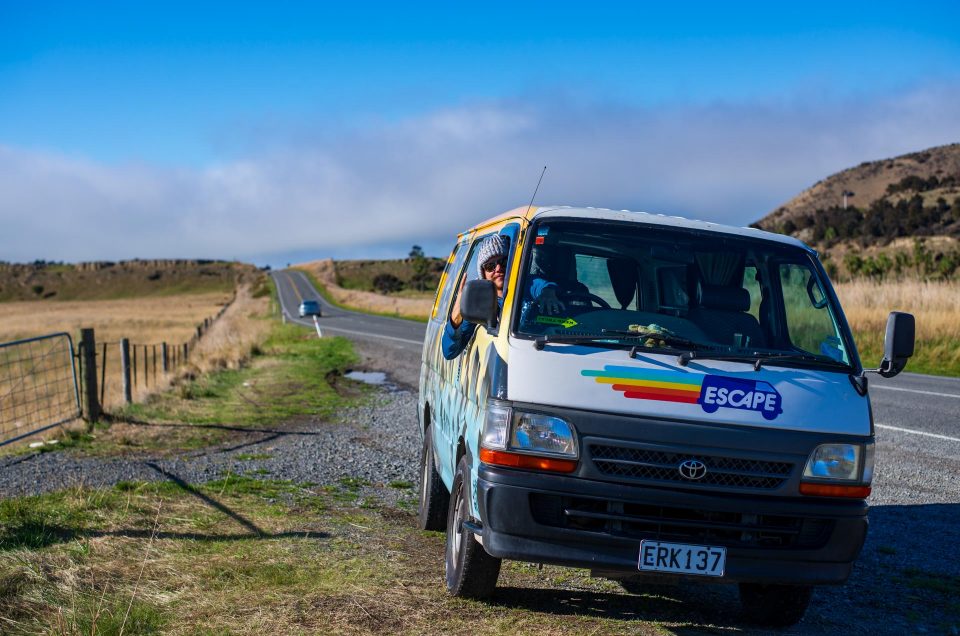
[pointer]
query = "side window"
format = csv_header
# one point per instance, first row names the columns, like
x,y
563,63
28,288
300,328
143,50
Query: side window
x,y
470,271
810,326
450,276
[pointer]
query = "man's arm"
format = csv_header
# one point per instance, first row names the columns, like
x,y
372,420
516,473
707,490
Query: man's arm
x,y
545,293
455,339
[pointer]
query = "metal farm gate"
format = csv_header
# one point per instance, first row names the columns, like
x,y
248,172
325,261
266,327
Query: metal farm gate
x,y
38,386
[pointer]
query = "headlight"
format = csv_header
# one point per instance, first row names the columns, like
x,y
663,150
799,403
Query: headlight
x,y
835,461
543,435
506,429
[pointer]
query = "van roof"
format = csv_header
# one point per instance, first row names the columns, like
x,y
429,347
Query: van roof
x,y
564,211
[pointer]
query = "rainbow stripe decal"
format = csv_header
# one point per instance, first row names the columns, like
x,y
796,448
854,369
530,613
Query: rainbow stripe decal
x,y
650,384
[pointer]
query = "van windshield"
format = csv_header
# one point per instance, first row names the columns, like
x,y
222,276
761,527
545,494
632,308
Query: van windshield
x,y
623,284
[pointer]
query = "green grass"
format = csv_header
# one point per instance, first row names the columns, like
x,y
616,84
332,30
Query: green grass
x,y
933,357
293,378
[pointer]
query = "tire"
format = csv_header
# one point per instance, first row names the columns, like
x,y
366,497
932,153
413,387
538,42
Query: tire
x,y
774,605
470,571
434,498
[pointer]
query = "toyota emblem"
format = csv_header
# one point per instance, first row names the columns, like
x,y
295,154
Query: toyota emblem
x,y
692,469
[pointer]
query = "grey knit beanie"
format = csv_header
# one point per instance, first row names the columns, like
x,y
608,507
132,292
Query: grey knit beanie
x,y
492,247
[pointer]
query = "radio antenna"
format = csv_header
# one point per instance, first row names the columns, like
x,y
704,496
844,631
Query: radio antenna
x,y
535,190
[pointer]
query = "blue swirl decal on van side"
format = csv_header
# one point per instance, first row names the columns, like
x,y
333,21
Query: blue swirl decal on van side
x,y
736,393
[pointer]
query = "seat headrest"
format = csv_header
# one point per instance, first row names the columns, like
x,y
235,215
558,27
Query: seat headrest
x,y
723,298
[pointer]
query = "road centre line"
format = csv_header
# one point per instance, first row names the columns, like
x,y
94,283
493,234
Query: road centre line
x,y
896,388
910,430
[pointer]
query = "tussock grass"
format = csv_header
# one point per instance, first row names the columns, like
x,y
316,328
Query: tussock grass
x,y
936,306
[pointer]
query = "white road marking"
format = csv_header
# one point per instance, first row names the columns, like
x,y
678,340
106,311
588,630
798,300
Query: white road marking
x,y
910,430
896,388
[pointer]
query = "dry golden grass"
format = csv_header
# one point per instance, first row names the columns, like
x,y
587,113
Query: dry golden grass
x,y
142,320
228,343
935,304
323,271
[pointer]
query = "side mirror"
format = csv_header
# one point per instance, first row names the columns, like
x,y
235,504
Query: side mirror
x,y
478,303
897,343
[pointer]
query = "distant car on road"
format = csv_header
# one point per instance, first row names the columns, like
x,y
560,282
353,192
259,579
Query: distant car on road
x,y
309,308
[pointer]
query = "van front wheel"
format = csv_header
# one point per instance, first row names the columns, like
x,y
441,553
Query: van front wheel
x,y
434,499
470,571
774,605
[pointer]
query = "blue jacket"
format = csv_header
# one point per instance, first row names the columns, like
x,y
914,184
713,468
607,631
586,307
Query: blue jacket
x,y
455,339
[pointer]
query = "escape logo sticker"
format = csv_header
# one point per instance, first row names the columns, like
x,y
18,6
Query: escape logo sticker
x,y
736,393
711,392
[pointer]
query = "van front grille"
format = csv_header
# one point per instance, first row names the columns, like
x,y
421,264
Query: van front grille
x,y
685,525
647,465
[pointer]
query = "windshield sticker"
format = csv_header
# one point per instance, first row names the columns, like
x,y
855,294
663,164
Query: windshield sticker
x,y
556,320
711,392
541,235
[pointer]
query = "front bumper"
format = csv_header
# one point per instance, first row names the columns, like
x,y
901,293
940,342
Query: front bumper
x,y
572,521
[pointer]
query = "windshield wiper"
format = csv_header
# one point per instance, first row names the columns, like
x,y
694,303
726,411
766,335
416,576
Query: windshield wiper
x,y
667,338
758,359
569,338
614,334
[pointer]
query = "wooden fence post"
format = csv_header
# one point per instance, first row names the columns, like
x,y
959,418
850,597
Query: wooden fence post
x,y
186,351
88,349
125,368
164,360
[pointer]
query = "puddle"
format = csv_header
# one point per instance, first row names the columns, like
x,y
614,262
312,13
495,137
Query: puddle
x,y
377,378
370,377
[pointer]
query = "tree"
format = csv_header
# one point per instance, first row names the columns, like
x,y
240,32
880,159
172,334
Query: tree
x,y
421,268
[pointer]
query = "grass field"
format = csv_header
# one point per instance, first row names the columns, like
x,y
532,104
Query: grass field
x,y
936,306
147,321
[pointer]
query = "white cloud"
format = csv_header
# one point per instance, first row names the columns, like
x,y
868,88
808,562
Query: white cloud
x,y
424,178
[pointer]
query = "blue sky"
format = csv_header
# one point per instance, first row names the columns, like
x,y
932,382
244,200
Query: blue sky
x,y
274,131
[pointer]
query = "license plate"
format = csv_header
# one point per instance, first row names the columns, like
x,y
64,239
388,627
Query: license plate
x,y
682,558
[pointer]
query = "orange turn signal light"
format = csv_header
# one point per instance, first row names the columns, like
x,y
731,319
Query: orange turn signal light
x,y
833,490
515,460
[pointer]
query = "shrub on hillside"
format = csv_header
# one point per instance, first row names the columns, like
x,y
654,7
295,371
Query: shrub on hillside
x,y
387,283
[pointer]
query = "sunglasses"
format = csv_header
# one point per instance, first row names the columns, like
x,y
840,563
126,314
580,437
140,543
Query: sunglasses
x,y
492,264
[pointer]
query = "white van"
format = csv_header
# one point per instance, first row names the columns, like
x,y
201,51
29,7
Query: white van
x,y
693,406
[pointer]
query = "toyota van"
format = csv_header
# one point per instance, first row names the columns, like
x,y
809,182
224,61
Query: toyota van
x,y
696,410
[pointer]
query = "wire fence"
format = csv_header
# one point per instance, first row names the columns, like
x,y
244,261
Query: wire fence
x,y
121,377
42,379
38,386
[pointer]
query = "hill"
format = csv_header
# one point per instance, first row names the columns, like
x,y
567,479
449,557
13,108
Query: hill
x,y
895,214
410,276
105,280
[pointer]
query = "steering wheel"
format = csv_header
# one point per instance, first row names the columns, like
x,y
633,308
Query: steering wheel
x,y
583,296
